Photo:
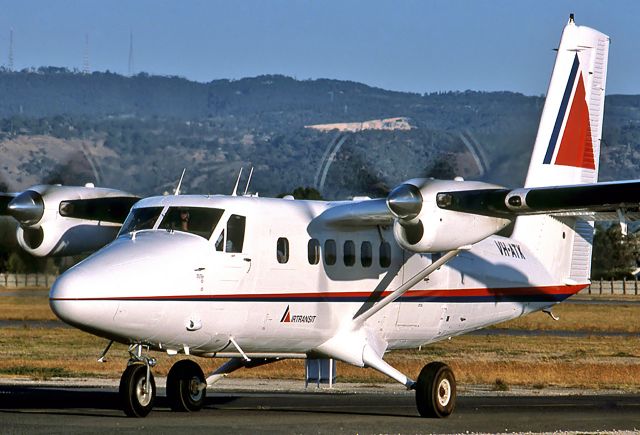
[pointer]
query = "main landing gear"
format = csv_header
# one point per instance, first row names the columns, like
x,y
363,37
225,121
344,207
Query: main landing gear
x,y
435,391
435,388
186,386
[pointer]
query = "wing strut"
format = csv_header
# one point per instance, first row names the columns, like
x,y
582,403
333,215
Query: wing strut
x,y
407,285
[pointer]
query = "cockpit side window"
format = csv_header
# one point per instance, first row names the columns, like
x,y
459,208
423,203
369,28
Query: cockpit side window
x,y
140,219
200,221
235,233
220,242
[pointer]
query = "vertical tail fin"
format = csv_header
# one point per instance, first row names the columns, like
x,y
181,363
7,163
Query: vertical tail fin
x,y
567,147
567,150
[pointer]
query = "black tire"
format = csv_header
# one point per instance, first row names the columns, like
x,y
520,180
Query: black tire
x,y
135,402
183,390
436,391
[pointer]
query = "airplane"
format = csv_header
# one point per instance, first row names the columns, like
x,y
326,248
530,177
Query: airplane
x,y
258,280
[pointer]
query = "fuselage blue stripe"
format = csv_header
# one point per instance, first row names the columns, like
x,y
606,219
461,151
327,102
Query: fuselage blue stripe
x,y
563,108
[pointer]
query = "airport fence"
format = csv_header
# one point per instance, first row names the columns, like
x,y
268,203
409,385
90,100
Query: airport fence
x,y
613,287
14,280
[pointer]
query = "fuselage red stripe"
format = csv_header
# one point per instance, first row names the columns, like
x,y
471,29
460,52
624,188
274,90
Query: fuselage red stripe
x,y
442,293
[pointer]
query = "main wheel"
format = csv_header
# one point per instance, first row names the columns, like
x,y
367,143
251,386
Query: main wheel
x,y
436,391
184,386
137,400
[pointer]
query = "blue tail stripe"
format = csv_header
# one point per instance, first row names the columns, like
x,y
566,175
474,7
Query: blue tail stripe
x,y
563,108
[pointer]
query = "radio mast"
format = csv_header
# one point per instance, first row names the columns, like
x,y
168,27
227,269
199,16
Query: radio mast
x,y
130,70
10,65
85,63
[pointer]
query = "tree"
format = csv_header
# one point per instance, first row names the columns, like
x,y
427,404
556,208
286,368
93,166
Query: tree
x,y
304,193
15,263
614,255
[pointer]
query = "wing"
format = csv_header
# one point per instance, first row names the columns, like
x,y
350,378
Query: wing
x,y
598,201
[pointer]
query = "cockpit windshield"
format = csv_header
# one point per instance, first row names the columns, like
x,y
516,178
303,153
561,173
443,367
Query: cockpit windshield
x,y
140,219
195,220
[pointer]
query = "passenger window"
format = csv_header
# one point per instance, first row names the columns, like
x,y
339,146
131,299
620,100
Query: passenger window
x,y
235,233
313,251
366,254
349,253
282,250
330,252
385,254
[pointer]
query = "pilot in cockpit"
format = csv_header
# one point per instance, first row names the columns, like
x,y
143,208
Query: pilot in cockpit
x,y
184,220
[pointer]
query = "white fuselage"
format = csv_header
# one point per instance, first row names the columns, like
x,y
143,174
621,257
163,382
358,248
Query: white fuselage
x,y
182,292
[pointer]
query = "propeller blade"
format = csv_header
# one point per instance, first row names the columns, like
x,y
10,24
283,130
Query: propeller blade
x,y
27,208
113,209
5,199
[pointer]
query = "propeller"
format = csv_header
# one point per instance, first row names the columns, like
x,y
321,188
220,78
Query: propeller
x,y
351,165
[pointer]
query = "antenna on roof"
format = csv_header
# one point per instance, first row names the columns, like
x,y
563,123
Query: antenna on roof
x,y
177,191
246,189
235,188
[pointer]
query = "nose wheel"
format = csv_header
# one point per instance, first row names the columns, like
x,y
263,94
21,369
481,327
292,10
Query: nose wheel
x,y
186,386
137,390
436,391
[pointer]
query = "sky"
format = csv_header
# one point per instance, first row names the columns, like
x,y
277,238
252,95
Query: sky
x,y
416,46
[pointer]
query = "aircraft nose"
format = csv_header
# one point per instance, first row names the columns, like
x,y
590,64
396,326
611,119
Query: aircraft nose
x,y
65,294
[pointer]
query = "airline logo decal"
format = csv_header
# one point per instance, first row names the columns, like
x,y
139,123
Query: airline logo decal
x,y
576,147
288,318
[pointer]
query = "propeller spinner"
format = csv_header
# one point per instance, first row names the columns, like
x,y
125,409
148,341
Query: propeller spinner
x,y
27,208
405,201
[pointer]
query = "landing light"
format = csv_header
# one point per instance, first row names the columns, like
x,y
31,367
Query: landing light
x,y
444,200
515,201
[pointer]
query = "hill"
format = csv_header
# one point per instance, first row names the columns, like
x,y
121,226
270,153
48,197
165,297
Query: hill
x,y
137,133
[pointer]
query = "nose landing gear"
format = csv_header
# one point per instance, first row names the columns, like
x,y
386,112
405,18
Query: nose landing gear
x,y
137,386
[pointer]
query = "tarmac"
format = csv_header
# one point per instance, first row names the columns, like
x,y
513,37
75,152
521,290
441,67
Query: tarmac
x,y
273,406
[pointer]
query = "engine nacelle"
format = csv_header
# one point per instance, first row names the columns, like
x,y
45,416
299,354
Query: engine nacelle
x,y
68,220
65,236
435,229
